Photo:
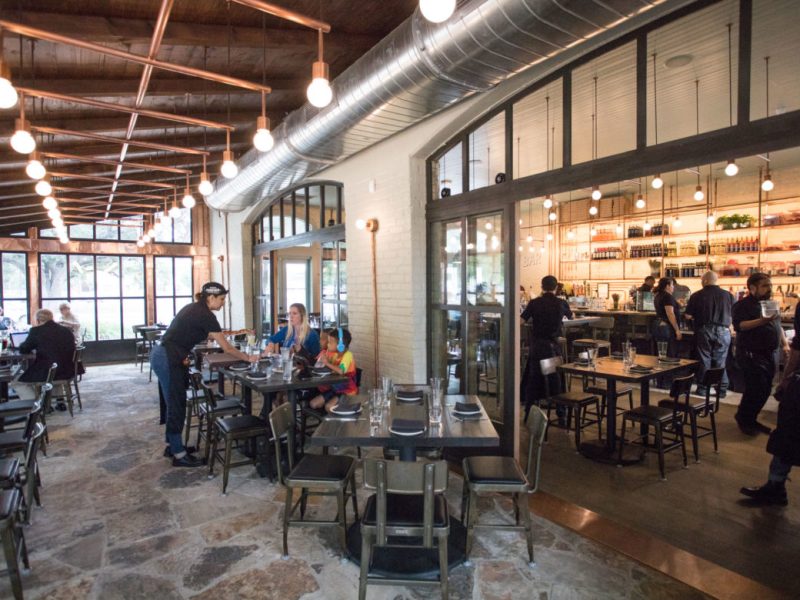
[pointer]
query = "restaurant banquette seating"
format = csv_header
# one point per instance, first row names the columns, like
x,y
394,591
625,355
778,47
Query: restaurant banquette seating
x,y
408,503
313,475
666,421
697,409
576,404
504,475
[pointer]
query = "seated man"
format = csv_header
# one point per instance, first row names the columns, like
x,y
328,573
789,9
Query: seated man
x,y
52,343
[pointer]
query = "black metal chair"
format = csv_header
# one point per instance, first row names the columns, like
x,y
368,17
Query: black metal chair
x,y
150,338
212,406
142,350
316,415
601,337
25,475
701,409
77,359
575,403
13,538
504,475
408,503
665,421
313,475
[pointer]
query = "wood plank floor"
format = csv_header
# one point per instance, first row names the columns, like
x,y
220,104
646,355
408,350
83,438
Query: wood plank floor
x,y
698,509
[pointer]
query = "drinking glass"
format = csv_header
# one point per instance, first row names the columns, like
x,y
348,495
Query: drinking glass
x,y
254,350
285,354
251,339
375,407
386,386
632,356
287,369
436,384
662,350
268,368
435,407
770,308
592,355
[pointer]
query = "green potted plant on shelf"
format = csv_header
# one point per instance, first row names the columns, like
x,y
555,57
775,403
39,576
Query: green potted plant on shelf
x,y
615,298
734,221
655,267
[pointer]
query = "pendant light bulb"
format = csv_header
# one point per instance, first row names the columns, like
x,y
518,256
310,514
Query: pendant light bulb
x,y
35,169
593,210
767,185
698,193
731,168
596,193
319,92
593,231
174,212
147,237
151,233
43,187
548,202
618,229
63,238
263,140
140,243
571,234
49,203
647,226
8,95
657,182
22,141
53,213
677,222
552,215
205,187
57,221
229,169
711,219
640,203
529,239
549,237
188,200
437,11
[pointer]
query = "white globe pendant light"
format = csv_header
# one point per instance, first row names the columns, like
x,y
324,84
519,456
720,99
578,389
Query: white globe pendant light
x,y
263,140
319,91
43,187
228,169
437,11
731,168
35,169
49,203
8,95
22,141
205,187
174,211
657,182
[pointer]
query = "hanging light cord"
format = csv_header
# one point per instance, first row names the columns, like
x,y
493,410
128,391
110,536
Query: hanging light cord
x,y
730,77
655,100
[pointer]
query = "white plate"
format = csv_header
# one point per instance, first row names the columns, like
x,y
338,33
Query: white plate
x,y
472,413
258,378
409,398
407,433
240,368
346,413
320,374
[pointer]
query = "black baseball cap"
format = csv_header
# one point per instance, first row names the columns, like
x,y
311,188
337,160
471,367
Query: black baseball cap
x,y
212,288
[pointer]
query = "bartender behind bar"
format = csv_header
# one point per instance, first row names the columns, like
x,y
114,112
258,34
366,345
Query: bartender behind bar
x,y
545,314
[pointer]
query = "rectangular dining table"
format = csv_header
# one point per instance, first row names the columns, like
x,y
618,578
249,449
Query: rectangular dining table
x,y
453,432
613,370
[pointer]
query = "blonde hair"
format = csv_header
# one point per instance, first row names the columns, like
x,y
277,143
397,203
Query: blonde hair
x,y
305,328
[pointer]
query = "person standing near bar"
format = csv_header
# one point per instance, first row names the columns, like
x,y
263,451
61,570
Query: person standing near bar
x,y
546,314
710,312
757,341
667,328
649,283
171,359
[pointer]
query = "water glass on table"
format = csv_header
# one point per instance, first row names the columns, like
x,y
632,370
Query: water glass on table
x,y
386,386
662,350
435,407
375,407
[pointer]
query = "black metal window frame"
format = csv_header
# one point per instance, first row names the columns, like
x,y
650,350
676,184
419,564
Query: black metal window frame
x,y
70,298
4,298
174,296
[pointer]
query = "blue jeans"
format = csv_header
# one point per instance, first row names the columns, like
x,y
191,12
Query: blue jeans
x,y
172,381
713,342
779,469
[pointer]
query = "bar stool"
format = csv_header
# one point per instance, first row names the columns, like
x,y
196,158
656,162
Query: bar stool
x,y
664,421
601,337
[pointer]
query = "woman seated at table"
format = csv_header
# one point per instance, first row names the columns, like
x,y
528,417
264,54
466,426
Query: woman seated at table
x,y
296,334
338,358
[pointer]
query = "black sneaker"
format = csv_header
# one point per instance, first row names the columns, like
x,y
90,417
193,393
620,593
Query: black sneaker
x,y
761,428
771,493
189,450
188,460
747,428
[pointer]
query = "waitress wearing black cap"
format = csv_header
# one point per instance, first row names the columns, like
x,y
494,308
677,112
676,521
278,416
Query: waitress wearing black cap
x,y
194,323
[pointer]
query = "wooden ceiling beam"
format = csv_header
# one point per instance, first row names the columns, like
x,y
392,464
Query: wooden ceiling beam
x,y
129,32
93,87
145,128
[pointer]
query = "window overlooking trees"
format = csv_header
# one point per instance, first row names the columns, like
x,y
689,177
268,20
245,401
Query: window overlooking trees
x,y
174,286
106,292
14,286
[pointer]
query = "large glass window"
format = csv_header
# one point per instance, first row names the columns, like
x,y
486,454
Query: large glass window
x,y
604,105
485,260
777,37
110,230
487,152
14,286
106,292
538,131
693,87
296,282
174,285
446,176
334,284
179,231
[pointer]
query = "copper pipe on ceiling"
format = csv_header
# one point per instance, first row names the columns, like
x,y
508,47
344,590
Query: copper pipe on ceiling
x,y
62,200
113,140
285,13
56,38
94,190
112,180
97,210
155,114
114,163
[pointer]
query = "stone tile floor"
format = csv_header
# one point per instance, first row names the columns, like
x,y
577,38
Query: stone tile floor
x,y
119,522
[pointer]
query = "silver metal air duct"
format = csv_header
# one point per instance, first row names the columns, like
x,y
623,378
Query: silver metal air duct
x,y
416,71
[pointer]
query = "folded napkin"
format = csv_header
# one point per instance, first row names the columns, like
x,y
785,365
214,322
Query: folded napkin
x,y
347,406
407,425
409,394
467,407
641,368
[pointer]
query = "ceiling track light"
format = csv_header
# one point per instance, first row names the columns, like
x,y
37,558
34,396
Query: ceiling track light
x,y
437,11
8,95
319,91
35,169
731,168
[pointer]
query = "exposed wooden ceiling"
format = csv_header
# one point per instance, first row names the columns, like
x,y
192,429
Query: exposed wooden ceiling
x,y
213,35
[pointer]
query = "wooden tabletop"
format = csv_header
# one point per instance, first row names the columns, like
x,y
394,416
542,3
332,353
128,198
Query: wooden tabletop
x,y
608,368
453,432
276,383
221,360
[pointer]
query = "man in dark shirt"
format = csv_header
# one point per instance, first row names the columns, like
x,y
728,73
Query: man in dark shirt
x,y
710,312
648,285
546,314
53,344
757,341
